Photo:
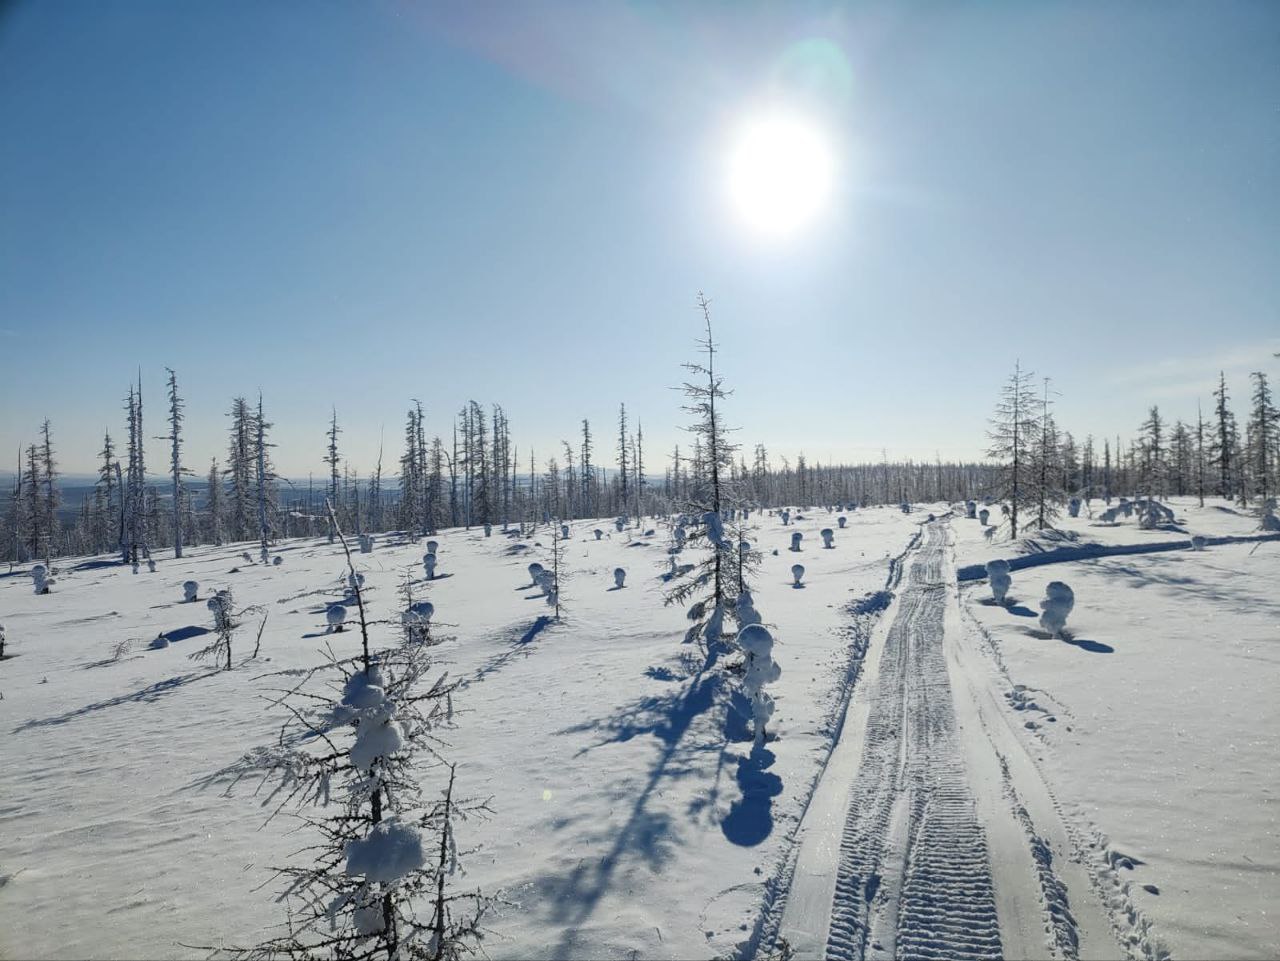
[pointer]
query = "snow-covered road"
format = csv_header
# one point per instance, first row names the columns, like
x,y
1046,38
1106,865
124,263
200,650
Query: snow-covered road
x,y
919,843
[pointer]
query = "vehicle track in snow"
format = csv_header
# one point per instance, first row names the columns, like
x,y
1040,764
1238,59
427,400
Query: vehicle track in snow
x,y
914,879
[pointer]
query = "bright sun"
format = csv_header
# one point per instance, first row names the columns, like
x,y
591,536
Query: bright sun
x,y
781,172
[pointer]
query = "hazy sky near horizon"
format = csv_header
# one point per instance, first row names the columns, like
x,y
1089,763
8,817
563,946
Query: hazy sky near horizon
x,y
356,204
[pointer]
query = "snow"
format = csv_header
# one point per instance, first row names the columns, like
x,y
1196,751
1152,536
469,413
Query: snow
x,y
631,815
391,850
1155,723
1057,604
623,820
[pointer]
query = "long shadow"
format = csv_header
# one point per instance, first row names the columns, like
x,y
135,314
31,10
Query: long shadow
x,y
750,819
97,565
1094,647
186,633
647,835
1019,611
515,645
149,694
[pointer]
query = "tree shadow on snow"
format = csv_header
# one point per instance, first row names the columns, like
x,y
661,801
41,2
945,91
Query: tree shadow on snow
x,y
647,836
517,642
149,694
1093,647
750,819
1019,610
186,633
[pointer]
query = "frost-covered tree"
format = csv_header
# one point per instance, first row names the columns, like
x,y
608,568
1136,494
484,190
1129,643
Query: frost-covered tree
x,y
1151,471
1264,437
1014,430
332,459
714,583
174,437
264,478
214,507
241,463
1224,439
354,762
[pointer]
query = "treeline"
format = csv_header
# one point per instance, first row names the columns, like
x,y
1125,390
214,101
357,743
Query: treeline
x,y
1039,467
475,474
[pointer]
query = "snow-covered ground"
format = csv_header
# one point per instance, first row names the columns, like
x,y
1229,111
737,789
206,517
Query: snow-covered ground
x,y
626,821
1119,786
1157,725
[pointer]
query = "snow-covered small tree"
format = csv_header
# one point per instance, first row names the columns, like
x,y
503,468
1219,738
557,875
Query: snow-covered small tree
x,y
828,537
757,644
190,591
226,619
796,538
999,578
1056,606
797,572
619,577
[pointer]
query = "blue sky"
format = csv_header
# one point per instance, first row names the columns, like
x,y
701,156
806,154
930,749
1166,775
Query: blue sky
x,y
359,204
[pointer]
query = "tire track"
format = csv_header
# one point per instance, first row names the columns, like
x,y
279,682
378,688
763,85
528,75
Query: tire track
x,y
914,878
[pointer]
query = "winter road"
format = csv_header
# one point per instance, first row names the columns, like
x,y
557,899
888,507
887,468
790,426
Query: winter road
x,y
932,833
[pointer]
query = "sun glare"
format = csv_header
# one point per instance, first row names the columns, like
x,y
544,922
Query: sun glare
x,y
780,173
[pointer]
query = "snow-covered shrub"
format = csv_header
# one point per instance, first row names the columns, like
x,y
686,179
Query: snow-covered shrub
x,y
983,516
905,507
680,535
828,537
415,619
619,523
225,620
599,533
1109,515
40,580
757,643
429,565
366,543
797,571
970,509
1057,604
277,561
190,591
841,521
619,577
433,547
786,518
1198,542
355,581
796,538
999,578
488,529
246,557
159,643
388,851
564,530
1073,507
535,572
335,617
151,565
